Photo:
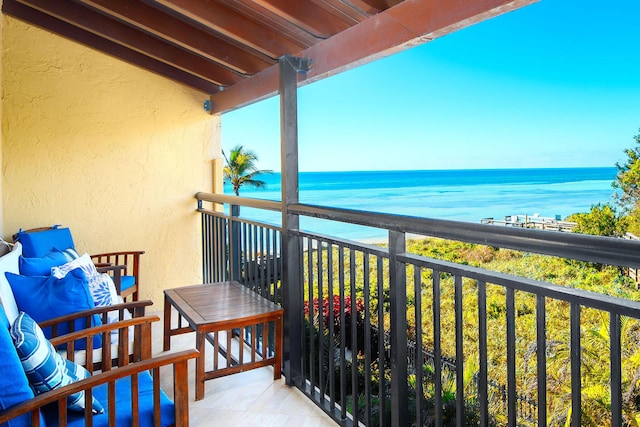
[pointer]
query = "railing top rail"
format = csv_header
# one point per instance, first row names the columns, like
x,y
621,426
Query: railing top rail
x,y
583,297
604,250
240,201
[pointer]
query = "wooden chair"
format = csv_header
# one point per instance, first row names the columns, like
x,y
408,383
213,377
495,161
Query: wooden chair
x,y
130,345
123,266
128,389
128,273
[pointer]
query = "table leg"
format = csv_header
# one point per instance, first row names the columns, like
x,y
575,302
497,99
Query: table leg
x,y
200,346
167,324
277,368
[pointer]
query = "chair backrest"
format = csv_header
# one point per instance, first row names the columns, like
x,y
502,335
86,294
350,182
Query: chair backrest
x,y
123,266
38,242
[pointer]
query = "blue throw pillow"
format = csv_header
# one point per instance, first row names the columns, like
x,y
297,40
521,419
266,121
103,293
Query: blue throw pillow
x,y
46,370
14,387
46,297
41,266
39,243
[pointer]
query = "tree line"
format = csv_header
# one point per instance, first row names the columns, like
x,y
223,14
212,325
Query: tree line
x,y
622,213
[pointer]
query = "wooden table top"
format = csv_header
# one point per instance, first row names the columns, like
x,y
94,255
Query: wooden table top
x,y
221,302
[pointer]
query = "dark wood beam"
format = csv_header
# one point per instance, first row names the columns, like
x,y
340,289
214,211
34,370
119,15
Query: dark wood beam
x,y
184,35
126,36
39,19
225,21
405,25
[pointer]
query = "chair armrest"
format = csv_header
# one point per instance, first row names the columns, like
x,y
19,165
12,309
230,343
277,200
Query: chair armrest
x,y
141,338
177,360
136,308
103,265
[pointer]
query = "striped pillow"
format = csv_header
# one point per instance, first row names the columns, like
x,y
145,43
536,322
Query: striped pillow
x,y
70,254
46,370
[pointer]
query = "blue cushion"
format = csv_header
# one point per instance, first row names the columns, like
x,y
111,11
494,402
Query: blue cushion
x,y
14,387
47,297
127,281
39,243
123,405
41,266
46,370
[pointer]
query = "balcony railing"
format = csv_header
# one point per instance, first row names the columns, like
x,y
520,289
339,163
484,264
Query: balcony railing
x,y
377,336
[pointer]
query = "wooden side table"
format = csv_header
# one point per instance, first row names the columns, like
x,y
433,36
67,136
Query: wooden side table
x,y
225,306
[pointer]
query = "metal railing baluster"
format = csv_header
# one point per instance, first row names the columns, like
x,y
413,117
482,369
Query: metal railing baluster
x,y
616,368
437,348
483,398
457,280
541,351
576,371
417,291
511,357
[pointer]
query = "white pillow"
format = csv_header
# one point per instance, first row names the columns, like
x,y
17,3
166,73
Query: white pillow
x,y
103,290
84,262
9,263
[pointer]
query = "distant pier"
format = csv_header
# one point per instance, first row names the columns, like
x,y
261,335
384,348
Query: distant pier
x,y
532,221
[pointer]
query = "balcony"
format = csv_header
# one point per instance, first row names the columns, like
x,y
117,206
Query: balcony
x,y
425,347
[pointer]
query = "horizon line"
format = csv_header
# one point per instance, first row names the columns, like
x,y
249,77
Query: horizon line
x,y
454,169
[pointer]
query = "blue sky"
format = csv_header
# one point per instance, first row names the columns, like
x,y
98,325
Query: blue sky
x,y
554,84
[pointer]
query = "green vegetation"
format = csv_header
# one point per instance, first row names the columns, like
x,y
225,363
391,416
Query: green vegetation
x,y
628,180
602,220
594,325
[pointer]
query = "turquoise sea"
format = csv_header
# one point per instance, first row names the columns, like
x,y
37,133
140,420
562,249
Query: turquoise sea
x,y
462,195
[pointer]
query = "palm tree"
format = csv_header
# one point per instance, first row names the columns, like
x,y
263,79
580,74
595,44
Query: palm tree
x,y
241,169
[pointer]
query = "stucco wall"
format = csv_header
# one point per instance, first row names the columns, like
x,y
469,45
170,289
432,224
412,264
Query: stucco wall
x,y
108,149
1,91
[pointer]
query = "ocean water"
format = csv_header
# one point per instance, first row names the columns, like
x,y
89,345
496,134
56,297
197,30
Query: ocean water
x,y
462,195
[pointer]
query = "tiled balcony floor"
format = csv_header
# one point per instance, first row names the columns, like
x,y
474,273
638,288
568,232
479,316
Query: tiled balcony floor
x,y
250,398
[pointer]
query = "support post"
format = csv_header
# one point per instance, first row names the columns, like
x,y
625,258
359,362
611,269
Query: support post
x,y
398,321
289,67
235,252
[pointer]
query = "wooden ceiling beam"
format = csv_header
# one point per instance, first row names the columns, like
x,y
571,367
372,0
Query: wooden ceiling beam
x,y
182,34
352,14
308,16
405,25
374,6
126,36
233,25
268,19
42,20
